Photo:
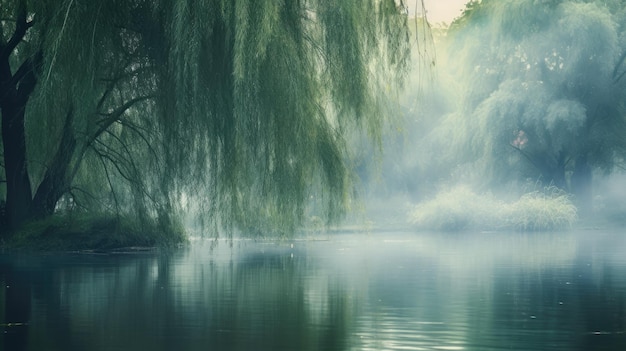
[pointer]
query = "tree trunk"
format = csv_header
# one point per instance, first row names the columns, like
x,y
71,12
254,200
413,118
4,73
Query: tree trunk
x,y
19,193
15,90
56,180
552,170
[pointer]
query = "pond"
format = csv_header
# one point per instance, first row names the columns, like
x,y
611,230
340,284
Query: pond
x,y
350,291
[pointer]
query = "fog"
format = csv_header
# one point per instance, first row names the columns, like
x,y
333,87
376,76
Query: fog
x,y
525,97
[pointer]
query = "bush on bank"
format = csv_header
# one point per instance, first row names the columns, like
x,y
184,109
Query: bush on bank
x,y
460,209
102,232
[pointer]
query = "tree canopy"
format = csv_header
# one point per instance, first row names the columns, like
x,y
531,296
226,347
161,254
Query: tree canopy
x,y
541,92
233,109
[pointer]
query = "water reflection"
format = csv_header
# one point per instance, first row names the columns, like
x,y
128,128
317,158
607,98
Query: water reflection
x,y
483,291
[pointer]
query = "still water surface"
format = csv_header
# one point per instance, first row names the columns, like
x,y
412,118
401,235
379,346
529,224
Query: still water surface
x,y
383,291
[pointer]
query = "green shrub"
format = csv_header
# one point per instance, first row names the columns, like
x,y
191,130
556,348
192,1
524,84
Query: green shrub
x,y
455,209
460,208
551,209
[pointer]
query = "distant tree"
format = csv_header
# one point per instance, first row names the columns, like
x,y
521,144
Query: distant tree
x,y
543,90
144,107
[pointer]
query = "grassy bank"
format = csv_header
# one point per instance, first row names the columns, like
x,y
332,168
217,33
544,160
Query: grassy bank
x,y
100,233
462,209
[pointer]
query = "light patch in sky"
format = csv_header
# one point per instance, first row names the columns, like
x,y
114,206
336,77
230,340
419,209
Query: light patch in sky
x,y
439,10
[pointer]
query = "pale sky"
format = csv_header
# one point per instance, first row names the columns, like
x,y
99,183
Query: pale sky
x,y
440,10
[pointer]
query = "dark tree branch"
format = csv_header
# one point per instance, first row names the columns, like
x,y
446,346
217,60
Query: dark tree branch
x,y
21,26
26,76
616,80
86,193
619,63
30,65
105,123
112,82
108,91
116,164
131,172
56,181
138,130
526,156
115,115
117,159
106,172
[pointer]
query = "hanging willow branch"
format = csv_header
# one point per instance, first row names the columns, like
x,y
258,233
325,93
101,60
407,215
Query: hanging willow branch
x,y
241,107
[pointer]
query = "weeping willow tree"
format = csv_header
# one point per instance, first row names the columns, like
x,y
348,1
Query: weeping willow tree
x,y
235,109
539,98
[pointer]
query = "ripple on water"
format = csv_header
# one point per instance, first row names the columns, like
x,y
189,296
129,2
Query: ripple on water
x,y
396,332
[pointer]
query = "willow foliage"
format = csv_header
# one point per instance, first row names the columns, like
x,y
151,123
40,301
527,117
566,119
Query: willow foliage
x,y
542,90
234,109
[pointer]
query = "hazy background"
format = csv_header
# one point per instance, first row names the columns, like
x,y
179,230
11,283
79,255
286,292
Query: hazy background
x,y
439,10
516,100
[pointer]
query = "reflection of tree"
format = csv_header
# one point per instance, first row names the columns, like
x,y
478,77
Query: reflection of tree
x,y
33,298
574,304
264,302
277,300
534,308
16,299
602,301
603,316
473,292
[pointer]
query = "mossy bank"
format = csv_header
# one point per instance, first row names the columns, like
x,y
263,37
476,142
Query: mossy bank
x,y
99,233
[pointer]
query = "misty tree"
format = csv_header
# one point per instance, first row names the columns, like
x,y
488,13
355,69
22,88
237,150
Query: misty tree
x,y
543,90
235,109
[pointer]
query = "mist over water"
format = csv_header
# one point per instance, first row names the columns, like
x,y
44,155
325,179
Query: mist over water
x,y
518,127
394,291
